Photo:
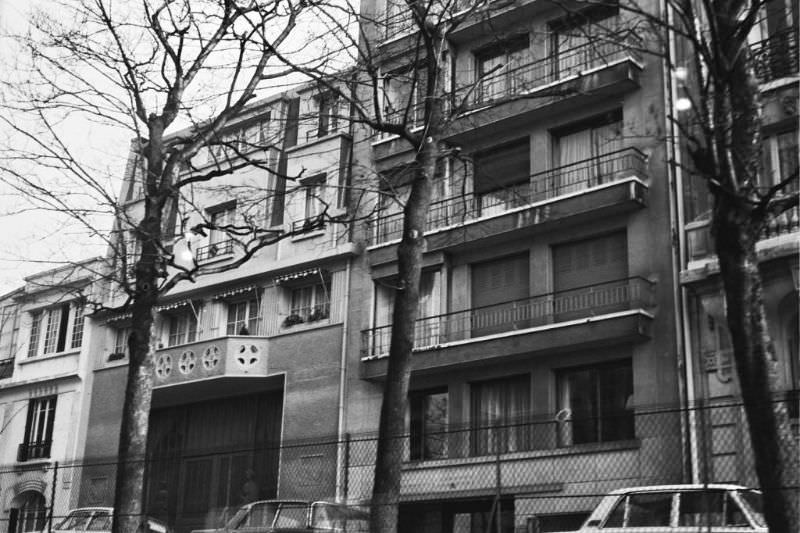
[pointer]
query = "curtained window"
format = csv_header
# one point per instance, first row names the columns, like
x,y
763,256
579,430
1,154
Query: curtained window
x,y
428,424
500,412
595,403
582,153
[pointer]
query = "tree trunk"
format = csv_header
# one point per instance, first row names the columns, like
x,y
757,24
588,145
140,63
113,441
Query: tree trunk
x,y
129,510
774,447
391,432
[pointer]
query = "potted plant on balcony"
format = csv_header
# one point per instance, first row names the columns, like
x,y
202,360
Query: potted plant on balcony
x,y
318,313
292,320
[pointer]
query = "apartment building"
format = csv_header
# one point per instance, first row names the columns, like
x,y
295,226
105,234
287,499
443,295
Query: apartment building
x,y
774,43
44,356
546,344
249,360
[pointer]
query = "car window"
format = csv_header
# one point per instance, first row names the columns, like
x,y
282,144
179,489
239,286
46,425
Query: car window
x,y
291,516
754,503
649,509
101,521
76,520
259,515
710,508
617,515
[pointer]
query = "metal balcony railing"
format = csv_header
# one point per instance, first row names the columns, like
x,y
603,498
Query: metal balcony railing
x,y
533,75
306,314
6,368
701,243
542,186
776,56
214,250
550,308
33,450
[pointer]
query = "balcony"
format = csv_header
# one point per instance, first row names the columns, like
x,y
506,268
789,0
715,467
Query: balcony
x,y
538,75
28,451
544,190
777,56
540,316
223,357
700,242
214,250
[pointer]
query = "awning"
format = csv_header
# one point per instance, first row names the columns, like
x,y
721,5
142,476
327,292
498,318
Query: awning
x,y
234,291
174,305
299,275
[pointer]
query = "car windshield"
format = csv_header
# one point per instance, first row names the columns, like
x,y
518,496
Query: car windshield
x,y
752,500
75,520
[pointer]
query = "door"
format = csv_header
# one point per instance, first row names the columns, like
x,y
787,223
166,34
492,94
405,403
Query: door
x,y
500,291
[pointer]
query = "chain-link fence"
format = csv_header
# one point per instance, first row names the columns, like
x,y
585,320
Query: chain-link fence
x,y
504,474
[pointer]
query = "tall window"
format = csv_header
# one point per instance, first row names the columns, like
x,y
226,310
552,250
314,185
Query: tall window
x,y
220,217
500,415
38,429
310,303
31,513
328,114
780,158
577,41
581,152
313,200
595,403
55,329
120,349
428,424
182,327
426,329
244,317
502,176
500,289
500,69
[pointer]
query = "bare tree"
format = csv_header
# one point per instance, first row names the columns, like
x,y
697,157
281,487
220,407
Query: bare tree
x,y
173,74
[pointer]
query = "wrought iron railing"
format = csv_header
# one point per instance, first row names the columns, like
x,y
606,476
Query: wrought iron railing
x,y
542,186
214,250
776,56
306,314
700,242
34,450
535,74
6,368
550,308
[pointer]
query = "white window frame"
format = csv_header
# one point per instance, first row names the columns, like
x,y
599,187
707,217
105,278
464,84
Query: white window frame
x,y
46,330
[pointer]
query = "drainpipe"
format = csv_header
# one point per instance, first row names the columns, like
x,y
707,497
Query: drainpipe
x,y
686,384
341,448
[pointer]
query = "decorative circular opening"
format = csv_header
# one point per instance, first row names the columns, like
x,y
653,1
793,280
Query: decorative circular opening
x,y
187,362
211,357
164,366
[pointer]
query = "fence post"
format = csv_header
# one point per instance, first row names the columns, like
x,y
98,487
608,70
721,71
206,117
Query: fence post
x,y
52,498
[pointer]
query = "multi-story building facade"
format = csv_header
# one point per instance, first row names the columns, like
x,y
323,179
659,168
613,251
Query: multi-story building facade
x,y
546,346
774,43
44,354
248,361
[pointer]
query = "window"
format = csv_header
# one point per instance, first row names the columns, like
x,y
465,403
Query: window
x,y
244,317
328,114
77,327
590,276
499,420
713,508
182,327
458,516
780,158
502,176
582,153
428,424
426,329
61,323
774,40
500,69
577,43
404,94
642,510
38,429
313,203
120,350
31,515
220,217
309,303
595,403
500,289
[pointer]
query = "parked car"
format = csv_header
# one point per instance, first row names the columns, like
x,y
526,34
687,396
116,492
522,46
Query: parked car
x,y
713,508
279,516
98,520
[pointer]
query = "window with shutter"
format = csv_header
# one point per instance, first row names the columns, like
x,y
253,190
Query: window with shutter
x,y
502,176
500,289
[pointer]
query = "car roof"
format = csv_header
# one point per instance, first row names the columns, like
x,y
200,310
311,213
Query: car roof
x,y
107,509
686,486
